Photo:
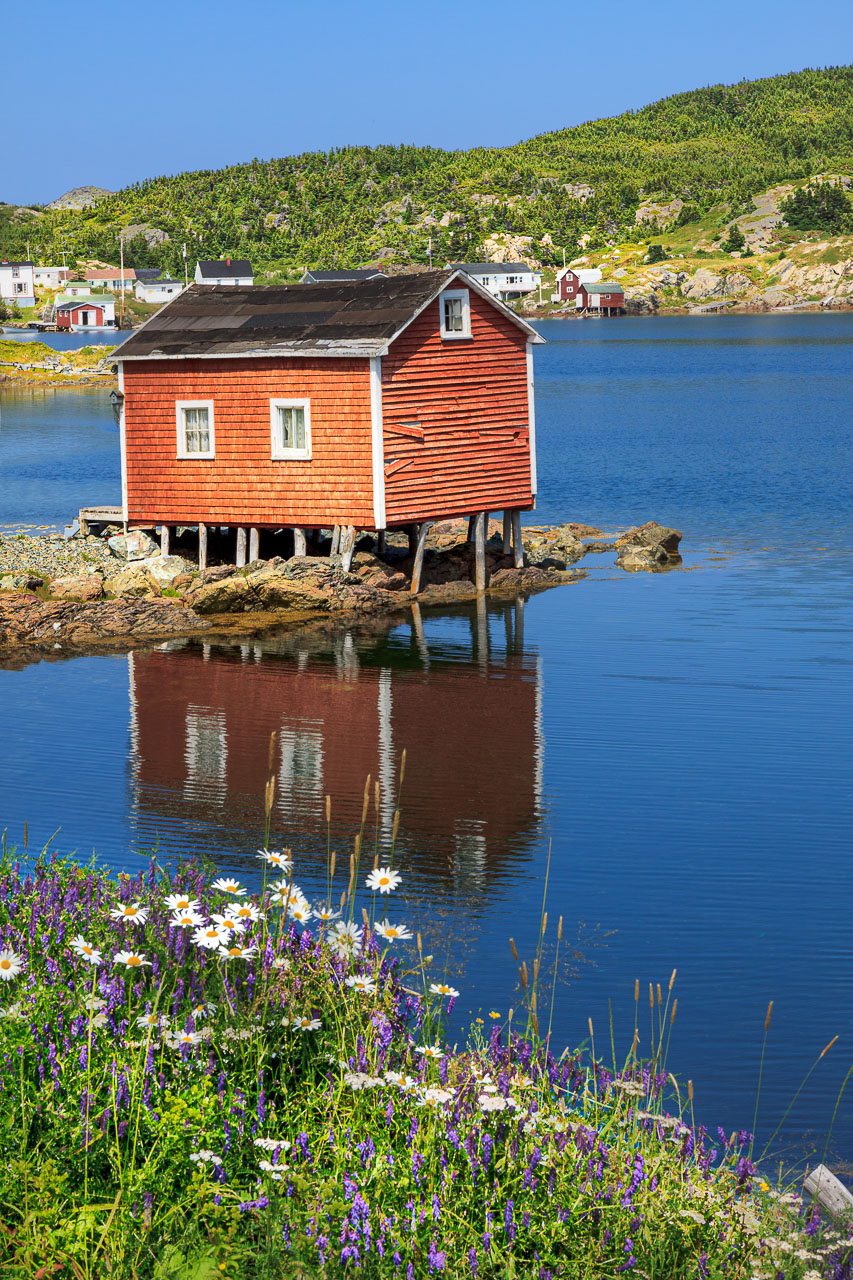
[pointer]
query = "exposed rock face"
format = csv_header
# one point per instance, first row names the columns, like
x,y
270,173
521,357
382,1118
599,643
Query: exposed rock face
x,y
509,248
226,595
151,235
27,620
658,211
20,582
134,581
84,586
135,545
555,548
708,284
303,583
80,198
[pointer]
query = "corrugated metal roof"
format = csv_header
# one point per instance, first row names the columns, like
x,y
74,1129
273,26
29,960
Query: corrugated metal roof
x,y
603,286
492,268
328,277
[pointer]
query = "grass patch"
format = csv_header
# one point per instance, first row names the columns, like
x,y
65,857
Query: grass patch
x,y
195,1081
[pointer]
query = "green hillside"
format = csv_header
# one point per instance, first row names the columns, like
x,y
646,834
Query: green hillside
x,y
710,146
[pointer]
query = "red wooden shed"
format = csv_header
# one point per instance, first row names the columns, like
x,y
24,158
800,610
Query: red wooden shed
x,y
378,404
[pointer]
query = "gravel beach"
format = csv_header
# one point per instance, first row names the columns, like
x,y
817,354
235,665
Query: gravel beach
x,y
53,556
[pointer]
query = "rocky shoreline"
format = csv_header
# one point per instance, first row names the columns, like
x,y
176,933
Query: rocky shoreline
x,y
64,596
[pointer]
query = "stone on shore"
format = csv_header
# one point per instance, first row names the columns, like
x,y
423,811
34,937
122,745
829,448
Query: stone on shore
x,y
650,547
165,569
135,545
134,581
28,620
223,595
83,586
20,582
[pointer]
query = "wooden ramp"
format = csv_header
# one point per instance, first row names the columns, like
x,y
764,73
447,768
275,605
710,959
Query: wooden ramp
x,y
101,516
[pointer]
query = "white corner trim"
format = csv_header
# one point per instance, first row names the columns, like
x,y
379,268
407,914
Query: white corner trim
x,y
463,296
180,433
377,442
531,417
277,451
123,444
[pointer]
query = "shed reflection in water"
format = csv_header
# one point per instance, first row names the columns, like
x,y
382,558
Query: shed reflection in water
x,y
466,707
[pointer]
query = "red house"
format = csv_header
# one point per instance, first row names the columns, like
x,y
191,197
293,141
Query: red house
x,y
603,297
377,404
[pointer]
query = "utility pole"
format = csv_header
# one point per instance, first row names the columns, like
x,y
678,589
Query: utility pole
x,y
186,277
430,253
121,300
28,251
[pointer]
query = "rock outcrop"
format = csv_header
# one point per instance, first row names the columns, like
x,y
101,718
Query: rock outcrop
x,y
135,545
83,586
26,620
650,547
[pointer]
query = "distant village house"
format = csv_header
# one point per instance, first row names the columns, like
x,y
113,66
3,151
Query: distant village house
x,y
111,278
380,404
569,280
79,314
17,283
51,277
590,294
78,288
158,290
504,280
236,271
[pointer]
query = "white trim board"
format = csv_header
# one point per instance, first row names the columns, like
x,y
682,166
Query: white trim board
x,y
377,442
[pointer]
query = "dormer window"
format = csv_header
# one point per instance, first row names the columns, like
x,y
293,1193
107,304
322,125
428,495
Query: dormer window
x,y
455,310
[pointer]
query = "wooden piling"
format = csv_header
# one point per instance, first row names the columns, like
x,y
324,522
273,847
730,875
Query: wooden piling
x,y
202,547
254,544
347,546
517,545
336,540
829,1192
417,567
300,546
480,550
381,541
240,559
164,539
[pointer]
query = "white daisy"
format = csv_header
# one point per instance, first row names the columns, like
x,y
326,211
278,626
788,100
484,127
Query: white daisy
x,y
99,1020
434,1097
282,861
492,1102
306,1024
392,932
211,936
325,914
383,880
147,1020
300,912
187,1037
132,913
347,932
94,1003
228,922
179,902
244,912
366,986
186,920
281,962
131,959
430,1051
91,954
236,952
442,989
226,885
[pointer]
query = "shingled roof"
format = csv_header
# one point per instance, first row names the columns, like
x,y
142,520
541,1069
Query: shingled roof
x,y
357,318
340,275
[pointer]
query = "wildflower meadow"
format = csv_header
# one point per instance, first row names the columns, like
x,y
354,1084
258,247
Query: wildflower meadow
x,y
200,1081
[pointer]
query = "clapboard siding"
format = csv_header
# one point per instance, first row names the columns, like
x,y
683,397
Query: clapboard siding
x,y
469,399
242,484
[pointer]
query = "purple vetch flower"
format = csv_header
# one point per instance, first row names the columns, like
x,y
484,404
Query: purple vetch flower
x,y
472,1261
436,1208
437,1261
703,1265
510,1228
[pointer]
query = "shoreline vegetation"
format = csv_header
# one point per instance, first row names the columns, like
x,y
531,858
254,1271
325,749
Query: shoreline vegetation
x,y
198,1080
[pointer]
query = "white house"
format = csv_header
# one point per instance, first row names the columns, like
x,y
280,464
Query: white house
x,y
227,271
17,283
158,290
504,280
51,277
112,278
78,288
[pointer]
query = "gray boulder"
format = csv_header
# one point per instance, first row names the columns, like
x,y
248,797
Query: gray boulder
x,y
223,595
135,582
165,569
135,545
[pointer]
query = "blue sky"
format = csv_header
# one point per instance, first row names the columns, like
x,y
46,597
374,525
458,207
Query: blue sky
x,y
202,85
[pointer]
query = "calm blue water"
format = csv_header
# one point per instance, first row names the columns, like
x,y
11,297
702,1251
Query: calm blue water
x,y
62,341
682,740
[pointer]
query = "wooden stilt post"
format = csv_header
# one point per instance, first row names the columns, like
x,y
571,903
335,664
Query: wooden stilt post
x,y
417,567
164,539
202,547
507,532
519,626
480,551
517,545
347,546
336,540
482,635
300,546
418,633
254,541
412,531
382,541
240,559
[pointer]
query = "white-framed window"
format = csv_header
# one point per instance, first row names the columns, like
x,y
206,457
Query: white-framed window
x,y
194,424
290,429
455,310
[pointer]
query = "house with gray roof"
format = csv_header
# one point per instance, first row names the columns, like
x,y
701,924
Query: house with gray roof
x,y
504,280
